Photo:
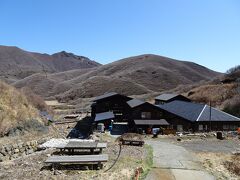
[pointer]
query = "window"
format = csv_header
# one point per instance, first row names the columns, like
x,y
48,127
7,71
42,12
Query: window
x,y
225,127
146,115
179,127
233,127
200,127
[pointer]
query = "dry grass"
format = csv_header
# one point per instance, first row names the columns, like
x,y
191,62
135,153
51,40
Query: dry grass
x,y
234,164
221,165
217,94
15,109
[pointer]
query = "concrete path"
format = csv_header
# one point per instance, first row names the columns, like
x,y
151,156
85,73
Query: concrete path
x,y
172,162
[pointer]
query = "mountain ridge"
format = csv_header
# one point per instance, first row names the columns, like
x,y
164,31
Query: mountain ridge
x,y
16,63
68,77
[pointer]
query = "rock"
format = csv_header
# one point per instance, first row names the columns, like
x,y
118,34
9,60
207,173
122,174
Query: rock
x,y
41,141
14,156
16,151
5,158
31,143
7,148
30,151
20,145
14,146
1,157
3,152
22,149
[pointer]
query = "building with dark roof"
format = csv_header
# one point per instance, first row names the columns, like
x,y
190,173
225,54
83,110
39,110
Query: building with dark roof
x,y
145,115
110,102
179,115
120,108
201,117
166,98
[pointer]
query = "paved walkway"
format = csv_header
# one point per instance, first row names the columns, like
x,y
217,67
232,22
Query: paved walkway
x,y
172,162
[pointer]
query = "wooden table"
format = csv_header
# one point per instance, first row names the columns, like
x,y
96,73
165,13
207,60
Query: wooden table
x,y
78,159
72,145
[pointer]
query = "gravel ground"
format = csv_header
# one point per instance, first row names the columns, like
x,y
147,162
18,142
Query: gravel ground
x,y
211,152
211,145
175,162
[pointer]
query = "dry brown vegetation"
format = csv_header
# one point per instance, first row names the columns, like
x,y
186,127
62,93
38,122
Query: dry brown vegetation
x,y
234,164
15,110
223,92
217,94
36,100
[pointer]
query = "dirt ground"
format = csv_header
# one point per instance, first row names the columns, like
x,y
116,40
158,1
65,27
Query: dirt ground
x,y
33,166
214,154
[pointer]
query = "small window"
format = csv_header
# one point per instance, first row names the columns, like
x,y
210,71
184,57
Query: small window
x,y
200,127
225,127
146,115
233,127
180,127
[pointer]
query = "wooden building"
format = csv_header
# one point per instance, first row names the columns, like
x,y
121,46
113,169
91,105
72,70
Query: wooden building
x,y
110,106
145,115
166,98
179,115
188,116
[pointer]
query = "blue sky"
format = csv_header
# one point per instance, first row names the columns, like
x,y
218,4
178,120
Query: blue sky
x,y
206,32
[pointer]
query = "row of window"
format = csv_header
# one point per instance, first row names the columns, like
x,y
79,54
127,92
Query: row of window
x,y
202,127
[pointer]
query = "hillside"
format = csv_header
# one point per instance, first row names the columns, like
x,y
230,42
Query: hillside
x,y
17,114
131,76
223,92
16,63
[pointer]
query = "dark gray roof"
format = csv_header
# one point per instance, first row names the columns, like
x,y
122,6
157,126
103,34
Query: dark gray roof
x,y
186,110
196,112
104,116
166,97
105,96
151,122
216,115
135,102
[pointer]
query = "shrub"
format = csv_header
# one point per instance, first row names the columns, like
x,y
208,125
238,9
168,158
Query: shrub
x,y
37,101
233,70
232,106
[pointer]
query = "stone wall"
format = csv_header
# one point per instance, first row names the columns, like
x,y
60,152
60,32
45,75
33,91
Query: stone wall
x,y
13,151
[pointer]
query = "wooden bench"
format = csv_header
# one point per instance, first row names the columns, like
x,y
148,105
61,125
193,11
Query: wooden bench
x,y
72,145
78,159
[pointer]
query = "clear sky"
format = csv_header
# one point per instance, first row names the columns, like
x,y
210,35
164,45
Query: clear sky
x,y
204,31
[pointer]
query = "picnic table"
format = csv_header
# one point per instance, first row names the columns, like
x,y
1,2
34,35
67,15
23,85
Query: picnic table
x,y
72,145
78,159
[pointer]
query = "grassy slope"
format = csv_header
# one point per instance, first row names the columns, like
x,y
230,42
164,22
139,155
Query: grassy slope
x,y
14,108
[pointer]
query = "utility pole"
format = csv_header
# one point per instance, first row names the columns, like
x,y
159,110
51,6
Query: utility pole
x,y
210,116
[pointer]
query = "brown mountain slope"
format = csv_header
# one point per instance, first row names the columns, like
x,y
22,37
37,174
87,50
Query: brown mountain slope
x,y
16,63
132,76
220,91
150,72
